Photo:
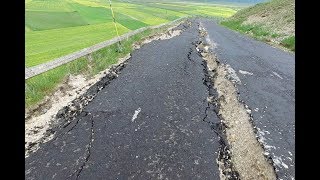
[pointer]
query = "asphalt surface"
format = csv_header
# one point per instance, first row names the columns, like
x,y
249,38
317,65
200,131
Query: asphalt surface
x,y
151,122
269,92
163,85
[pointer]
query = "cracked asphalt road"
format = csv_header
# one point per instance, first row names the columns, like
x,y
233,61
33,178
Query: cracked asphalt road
x,y
267,87
151,122
167,139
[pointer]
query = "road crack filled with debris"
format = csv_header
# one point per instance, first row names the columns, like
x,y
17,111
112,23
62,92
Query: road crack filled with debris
x,y
242,156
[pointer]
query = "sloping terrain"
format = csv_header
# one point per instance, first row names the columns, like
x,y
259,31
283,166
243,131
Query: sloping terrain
x,y
273,21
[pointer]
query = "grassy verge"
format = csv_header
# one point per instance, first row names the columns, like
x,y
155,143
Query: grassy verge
x,y
289,43
260,33
46,83
255,30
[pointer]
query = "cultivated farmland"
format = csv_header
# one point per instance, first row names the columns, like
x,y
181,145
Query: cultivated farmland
x,y
55,28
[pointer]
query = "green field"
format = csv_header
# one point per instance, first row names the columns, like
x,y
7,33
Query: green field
x,y
55,28
50,44
40,20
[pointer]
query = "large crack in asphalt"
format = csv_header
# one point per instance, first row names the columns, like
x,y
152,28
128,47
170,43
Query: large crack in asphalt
x,y
224,162
68,114
226,167
88,150
241,156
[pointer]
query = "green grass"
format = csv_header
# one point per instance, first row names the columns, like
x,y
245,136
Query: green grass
x,y
92,15
274,35
39,86
55,28
27,29
256,31
289,43
46,83
43,46
259,31
129,22
169,7
48,5
216,11
41,20
141,16
236,25
160,13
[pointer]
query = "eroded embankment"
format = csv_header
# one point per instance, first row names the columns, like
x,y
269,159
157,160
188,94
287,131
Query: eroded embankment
x,y
244,153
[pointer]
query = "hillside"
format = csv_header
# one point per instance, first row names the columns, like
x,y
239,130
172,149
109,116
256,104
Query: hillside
x,y
272,22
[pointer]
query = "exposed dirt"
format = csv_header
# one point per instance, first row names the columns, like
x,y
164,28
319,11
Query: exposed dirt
x,y
276,21
247,154
38,124
162,36
277,16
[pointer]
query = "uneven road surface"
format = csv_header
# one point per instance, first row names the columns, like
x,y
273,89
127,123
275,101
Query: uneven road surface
x,y
154,121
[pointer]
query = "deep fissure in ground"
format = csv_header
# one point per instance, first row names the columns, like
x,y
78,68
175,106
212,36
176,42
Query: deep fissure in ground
x,y
227,170
247,156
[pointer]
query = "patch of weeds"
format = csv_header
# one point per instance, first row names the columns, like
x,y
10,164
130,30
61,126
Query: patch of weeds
x,y
38,86
275,35
289,43
259,31
237,25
